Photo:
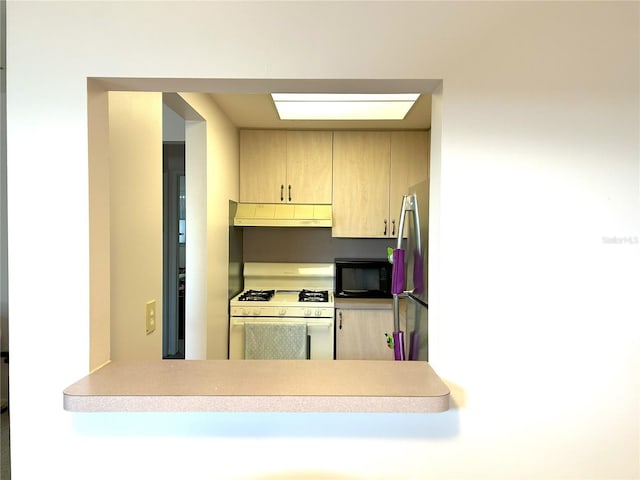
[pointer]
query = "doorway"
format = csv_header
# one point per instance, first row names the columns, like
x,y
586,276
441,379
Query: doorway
x,y
174,250
185,285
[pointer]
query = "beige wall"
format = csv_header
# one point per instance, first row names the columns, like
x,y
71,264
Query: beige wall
x,y
126,223
135,179
533,305
99,233
221,186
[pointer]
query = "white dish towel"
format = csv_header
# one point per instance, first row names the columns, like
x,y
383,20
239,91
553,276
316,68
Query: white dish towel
x,y
275,341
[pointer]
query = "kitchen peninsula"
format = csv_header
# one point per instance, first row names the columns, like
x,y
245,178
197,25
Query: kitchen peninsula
x,y
260,386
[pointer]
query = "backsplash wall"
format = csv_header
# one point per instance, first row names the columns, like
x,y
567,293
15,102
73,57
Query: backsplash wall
x,y
265,244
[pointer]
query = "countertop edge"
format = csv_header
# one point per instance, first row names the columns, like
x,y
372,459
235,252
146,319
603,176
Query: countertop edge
x,y
255,404
214,386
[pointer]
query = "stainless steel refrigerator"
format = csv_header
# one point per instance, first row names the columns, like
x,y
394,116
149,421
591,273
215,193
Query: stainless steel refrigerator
x,y
410,276
236,258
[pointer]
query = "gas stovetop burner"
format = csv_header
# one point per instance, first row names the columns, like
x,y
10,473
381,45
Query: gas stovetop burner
x,y
256,295
313,296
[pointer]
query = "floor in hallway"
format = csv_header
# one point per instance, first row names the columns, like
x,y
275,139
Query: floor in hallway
x,y
5,460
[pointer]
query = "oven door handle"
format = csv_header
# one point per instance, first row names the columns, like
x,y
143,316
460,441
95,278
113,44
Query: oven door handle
x,y
239,322
320,324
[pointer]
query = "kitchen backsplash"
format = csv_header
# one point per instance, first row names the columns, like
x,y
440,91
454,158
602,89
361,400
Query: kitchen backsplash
x,y
308,245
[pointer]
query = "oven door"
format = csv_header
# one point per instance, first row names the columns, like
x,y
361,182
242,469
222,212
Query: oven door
x,y
245,331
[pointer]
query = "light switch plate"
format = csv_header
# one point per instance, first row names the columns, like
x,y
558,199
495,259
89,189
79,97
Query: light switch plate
x,y
151,316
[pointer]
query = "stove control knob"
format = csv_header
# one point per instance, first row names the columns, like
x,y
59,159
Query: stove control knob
x,y
307,313
245,312
282,312
318,313
256,312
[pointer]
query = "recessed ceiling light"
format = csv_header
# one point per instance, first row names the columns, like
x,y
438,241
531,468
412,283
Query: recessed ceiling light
x,y
343,106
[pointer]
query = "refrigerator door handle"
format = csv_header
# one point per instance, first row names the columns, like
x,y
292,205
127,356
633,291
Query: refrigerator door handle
x,y
409,204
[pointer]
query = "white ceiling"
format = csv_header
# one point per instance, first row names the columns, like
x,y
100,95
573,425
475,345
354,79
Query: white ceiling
x,y
248,104
256,110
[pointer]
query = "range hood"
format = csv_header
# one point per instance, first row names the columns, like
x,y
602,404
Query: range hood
x,y
282,215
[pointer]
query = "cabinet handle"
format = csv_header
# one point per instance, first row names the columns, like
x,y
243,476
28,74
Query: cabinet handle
x,y
282,193
385,226
340,317
393,228
289,192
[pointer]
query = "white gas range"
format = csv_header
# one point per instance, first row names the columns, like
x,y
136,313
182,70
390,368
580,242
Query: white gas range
x,y
285,312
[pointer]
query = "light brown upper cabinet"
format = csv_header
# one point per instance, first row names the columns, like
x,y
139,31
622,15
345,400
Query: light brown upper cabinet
x,y
371,173
278,166
361,184
409,166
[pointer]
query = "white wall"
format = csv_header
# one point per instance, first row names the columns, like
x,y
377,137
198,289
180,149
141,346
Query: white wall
x,y
534,312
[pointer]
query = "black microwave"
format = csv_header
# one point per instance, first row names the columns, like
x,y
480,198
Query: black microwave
x,y
362,278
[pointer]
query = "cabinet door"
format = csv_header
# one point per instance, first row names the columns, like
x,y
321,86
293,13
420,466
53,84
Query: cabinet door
x,y
409,165
361,184
360,334
309,167
263,166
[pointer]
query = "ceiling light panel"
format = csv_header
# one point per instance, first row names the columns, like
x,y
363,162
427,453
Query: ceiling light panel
x,y
331,106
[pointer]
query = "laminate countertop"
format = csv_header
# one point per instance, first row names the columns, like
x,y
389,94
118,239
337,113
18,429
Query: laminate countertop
x,y
259,386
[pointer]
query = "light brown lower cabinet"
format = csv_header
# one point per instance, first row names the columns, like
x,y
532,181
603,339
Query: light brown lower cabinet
x,y
360,333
